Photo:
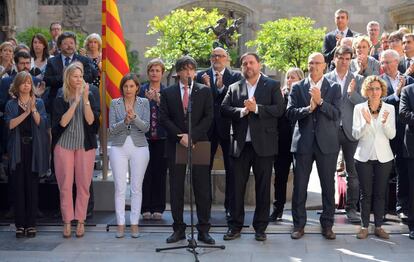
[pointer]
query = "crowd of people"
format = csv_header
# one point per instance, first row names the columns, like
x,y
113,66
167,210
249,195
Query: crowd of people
x,y
357,99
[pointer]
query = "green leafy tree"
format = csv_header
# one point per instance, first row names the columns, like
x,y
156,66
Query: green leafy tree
x,y
183,32
286,43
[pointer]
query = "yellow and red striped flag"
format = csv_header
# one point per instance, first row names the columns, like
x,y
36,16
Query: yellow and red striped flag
x,y
114,55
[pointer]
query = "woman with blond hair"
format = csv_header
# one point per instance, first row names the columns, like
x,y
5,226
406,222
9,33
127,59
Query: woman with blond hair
x,y
92,48
75,124
363,63
7,67
25,117
374,127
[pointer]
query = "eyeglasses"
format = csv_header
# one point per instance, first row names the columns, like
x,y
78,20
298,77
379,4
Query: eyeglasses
x,y
217,56
386,62
395,40
374,88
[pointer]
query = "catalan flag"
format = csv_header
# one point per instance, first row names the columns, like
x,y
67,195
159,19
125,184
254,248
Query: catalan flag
x,y
115,61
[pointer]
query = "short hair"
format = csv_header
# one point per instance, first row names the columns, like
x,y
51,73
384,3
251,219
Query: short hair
x,y
54,23
294,71
390,52
398,35
156,62
371,23
367,84
42,39
21,47
359,39
21,54
64,35
409,35
184,62
93,36
12,39
66,79
125,78
247,54
343,50
342,11
20,79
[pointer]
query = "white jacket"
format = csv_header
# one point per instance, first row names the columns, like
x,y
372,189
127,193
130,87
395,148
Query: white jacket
x,y
374,136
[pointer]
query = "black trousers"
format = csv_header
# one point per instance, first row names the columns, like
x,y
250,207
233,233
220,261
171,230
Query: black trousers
x,y
373,181
326,165
202,195
26,190
262,170
153,189
282,169
225,147
401,169
352,189
410,166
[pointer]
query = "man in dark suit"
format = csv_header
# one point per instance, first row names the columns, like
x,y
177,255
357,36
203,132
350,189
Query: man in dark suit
x,y
395,84
55,30
314,104
173,116
218,78
253,104
332,39
407,118
351,95
406,65
57,64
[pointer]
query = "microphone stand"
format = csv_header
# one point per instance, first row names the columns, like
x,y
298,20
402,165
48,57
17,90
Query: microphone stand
x,y
192,243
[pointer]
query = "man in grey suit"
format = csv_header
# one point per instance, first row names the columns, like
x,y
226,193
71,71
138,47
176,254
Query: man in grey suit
x,y
314,104
253,104
351,95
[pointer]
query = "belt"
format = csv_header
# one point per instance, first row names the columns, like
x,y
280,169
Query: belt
x,y
26,139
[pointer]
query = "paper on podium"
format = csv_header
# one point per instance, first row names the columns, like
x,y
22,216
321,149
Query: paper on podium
x,y
200,154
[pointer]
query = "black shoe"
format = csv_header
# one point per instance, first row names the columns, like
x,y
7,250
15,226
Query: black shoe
x,y
328,233
20,232
176,236
206,238
231,235
297,233
411,235
260,236
276,215
31,232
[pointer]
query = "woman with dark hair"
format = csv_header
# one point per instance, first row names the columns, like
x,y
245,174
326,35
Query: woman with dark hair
x,y
75,124
153,191
40,54
374,127
26,119
129,118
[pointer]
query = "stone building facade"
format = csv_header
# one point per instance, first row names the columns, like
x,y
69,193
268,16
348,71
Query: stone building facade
x,y
85,15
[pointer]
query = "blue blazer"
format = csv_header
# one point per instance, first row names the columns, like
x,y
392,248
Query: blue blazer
x,y
321,126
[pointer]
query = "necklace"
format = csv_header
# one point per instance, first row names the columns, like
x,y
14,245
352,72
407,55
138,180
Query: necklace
x,y
23,105
375,111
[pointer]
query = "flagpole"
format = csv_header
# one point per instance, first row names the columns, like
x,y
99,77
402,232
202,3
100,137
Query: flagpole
x,y
104,125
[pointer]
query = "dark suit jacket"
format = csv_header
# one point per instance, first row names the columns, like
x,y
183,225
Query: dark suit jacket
x,y
407,118
329,45
398,140
348,101
54,72
263,126
220,125
320,126
174,120
402,67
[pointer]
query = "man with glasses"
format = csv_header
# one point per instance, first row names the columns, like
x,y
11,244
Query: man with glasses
x,y
351,95
395,42
55,31
218,78
314,104
396,82
373,31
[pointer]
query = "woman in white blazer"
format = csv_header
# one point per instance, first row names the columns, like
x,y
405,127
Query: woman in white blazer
x,y
374,127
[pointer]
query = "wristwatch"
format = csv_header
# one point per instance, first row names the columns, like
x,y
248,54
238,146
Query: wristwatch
x,y
88,103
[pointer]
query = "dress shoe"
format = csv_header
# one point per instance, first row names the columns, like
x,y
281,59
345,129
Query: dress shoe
x,y
297,233
20,232
31,232
260,236
328,233
231,235
80,229
176,236
363,233
120,231
276,215
206,238
353,216
403,217
134,231
146,216
379,232
157,216
411,235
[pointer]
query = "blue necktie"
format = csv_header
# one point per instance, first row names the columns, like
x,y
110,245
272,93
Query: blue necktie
x,y
67,61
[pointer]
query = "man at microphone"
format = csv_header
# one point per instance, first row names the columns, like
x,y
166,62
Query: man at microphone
x,y
174,106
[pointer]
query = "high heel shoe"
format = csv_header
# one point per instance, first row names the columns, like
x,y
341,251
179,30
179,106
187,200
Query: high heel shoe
x,y
67,230
80,229
120,231
134,231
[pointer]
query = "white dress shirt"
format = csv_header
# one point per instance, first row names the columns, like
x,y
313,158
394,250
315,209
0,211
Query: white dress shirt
x,y
250,91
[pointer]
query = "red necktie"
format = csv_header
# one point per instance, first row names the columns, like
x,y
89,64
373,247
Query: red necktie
x,y
185,99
